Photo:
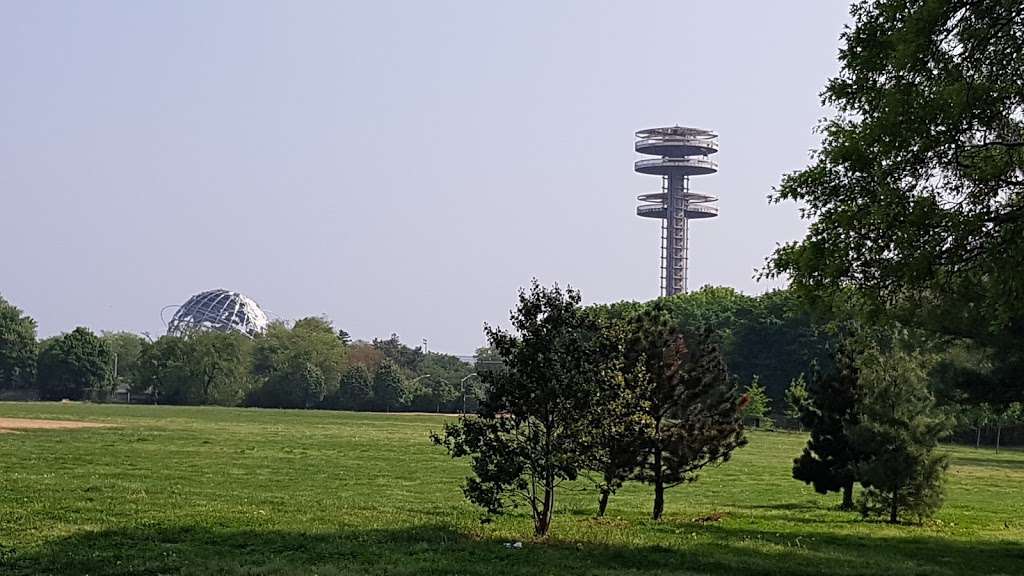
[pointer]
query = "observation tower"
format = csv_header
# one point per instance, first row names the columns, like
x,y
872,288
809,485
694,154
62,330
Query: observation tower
x,y
680,153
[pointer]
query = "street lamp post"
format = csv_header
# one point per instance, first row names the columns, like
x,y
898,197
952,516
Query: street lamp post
x,y
464,391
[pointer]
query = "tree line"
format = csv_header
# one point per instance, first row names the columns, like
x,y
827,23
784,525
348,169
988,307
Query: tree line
x,y
307,364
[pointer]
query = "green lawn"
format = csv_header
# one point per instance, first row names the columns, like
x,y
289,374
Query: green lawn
x,y
239,491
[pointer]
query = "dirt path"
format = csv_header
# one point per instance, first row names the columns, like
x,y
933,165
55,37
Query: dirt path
x,y
15,424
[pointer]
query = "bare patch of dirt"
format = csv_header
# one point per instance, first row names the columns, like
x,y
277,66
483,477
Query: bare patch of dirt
x,y
713,517
16,424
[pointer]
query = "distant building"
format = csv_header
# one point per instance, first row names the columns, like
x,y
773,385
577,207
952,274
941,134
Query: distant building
x,y
680,153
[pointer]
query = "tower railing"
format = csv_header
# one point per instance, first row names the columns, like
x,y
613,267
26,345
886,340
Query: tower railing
x,y
681,161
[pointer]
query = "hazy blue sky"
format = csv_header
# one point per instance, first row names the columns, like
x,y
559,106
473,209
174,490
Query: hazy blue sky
x,y
398,166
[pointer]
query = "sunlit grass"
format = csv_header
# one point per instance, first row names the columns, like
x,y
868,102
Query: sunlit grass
x,y
239,491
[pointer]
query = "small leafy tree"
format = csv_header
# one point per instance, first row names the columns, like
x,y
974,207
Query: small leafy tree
x,y
759,405
73,365
18,348
532,432
796,398
696,413
829,461
1009,415
899,430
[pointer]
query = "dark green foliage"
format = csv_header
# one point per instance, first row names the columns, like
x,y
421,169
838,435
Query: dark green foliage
x,y
776,339
773,337
73,366
298,384
916,197
17,347
404,357
829,412
389,391
694,409
204,368
355,392
622,431
532,432
900,426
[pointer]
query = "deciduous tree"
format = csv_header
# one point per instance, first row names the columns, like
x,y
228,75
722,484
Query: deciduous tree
x,y
355,392
73,365
532,432
17,347
758,406
389,392
916,196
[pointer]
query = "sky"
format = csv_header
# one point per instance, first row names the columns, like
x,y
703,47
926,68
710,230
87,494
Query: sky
x,y
400,167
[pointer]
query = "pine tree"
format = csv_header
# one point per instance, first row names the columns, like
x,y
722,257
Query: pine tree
x,y
897,436
829,460
696,413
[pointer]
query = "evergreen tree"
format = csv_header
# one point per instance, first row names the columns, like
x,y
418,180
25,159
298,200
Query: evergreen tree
x,y
694,409
829,460
897,436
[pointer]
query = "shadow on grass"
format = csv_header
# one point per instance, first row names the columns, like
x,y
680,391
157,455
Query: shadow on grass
x,y
439,550
987,459
786,506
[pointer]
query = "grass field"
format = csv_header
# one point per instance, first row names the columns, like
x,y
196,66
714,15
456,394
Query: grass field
x,y
173,490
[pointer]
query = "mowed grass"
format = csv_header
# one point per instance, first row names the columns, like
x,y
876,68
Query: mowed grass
x,y
174,490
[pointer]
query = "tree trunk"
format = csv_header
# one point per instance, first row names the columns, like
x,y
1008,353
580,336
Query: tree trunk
x,y
659,476
603,504
977,440
999,431
542,522
893,509
847,497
